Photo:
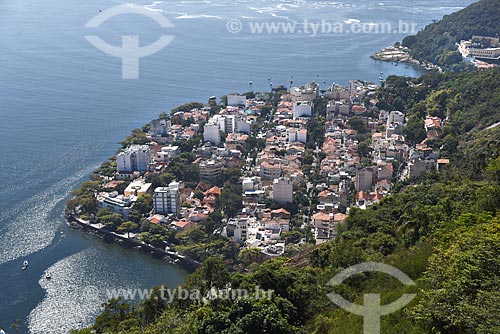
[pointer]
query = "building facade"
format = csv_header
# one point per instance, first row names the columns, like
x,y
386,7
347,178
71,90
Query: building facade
x,y
167,199
134,158
282,190
210,170
211,133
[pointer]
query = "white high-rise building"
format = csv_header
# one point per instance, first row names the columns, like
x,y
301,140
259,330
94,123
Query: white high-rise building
x,y
395,117
236,100
167,199
134,158
159,127
283,190
211,133
243,126
302,109
229,123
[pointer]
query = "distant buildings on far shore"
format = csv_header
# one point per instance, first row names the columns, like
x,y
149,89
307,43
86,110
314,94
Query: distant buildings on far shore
x,y
481,49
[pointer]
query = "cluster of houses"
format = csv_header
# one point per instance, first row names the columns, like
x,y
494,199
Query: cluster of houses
x,y
422,158
274,172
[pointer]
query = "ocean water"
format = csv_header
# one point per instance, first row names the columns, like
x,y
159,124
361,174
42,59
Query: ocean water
x,y
64,107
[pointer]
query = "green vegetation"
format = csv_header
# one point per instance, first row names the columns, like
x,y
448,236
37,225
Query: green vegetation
x,y
443,232
470,100
436,42
187,107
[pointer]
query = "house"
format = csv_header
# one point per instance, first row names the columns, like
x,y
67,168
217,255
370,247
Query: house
x,y
358,110
364,178
211,195
385,171
236,100
236,229
270,170
211,133
297,135
159,127
302,109
325,225
251,183
440,163
420,166
183,225
280,213
157,219
365,199
166,153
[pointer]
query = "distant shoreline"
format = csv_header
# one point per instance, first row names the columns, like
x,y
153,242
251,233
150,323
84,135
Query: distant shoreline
x,y
400,54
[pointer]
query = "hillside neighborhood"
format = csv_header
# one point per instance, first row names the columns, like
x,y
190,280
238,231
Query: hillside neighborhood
x,y
266,171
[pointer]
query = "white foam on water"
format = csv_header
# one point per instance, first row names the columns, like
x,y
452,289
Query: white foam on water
x,y
201,16
152,7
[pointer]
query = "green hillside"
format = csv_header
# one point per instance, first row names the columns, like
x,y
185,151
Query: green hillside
x,y
436,42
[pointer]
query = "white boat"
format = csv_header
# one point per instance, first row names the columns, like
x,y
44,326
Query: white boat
x,y
25,264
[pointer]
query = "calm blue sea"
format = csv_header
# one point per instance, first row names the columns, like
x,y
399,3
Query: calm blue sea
x,y
64,106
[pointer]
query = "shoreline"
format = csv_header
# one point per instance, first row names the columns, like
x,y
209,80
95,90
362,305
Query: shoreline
x,y
107,236
402,55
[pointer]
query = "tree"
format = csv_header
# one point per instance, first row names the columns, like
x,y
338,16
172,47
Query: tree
x,y
187,107
144,203
109,218
364,149
248,256
115,311
199,195
128,227
211,274
358,124
293,237
462,279
493,170
414,131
